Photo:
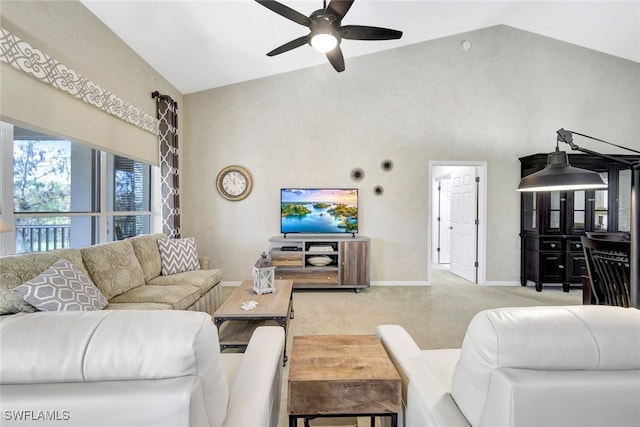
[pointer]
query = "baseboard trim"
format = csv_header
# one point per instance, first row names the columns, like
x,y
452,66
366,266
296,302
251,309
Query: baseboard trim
x,y
401,283
502,283
231,283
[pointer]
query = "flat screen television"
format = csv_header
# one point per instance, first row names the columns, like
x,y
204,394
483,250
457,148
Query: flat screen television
x,y
318,210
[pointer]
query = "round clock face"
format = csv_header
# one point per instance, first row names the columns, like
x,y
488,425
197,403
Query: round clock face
x,y
234,183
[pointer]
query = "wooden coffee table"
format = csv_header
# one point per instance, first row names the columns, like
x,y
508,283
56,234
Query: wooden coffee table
x,y
235,325
341,375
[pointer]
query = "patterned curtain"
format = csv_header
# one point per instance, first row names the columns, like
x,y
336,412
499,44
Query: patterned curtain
x,y
169,168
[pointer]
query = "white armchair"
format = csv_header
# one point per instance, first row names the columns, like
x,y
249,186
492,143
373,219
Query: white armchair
x,y
135,368
536,366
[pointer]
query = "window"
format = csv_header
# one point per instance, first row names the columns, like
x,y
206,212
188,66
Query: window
x,y
69,195
128,187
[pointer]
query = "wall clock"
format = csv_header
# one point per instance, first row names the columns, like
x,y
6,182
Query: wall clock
x,y
234,183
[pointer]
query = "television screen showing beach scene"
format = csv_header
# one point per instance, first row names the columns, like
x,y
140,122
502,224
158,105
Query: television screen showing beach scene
x,y
319,210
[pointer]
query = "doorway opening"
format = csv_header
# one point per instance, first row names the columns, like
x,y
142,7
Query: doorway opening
x,y
457,219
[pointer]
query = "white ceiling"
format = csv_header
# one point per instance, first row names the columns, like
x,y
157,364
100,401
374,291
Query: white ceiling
x,y
198,45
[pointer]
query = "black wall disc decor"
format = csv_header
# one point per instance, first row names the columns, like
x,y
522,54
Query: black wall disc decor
x,y
357,174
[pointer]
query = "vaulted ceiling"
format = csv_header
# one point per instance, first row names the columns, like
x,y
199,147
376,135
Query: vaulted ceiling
x,y
198,45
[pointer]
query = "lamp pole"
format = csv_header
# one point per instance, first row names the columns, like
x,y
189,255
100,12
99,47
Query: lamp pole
x,y
634,254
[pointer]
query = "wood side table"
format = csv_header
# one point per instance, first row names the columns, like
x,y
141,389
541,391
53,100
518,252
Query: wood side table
x,y
341,375
235,325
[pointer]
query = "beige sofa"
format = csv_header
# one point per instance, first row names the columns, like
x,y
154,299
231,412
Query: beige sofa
x,y
127,272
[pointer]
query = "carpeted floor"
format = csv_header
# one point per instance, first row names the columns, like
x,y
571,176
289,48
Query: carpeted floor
x,y
436,316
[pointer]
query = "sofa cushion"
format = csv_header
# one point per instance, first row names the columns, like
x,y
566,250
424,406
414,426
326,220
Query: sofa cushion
x,y
137,306
180,297
443,364
113,267
178,255
146,249
62,287
203,279
18,269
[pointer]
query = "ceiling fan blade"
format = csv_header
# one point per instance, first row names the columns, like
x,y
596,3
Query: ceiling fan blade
x,y
339,8
285,11
361,32
288,46
336,59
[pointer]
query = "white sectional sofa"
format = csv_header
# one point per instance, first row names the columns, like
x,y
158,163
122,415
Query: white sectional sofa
x,y
134,368
571,366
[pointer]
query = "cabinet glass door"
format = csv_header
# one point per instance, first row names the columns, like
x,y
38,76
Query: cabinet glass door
x,y
579,210
624,200
553,212
601,207
529,211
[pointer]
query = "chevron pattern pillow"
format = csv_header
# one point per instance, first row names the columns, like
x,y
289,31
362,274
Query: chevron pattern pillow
x,y
178,255
62,287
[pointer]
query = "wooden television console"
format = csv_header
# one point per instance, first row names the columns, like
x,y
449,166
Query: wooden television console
x,y
322,262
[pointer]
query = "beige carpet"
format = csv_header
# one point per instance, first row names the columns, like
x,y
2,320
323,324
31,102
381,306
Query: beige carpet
x,y
436,316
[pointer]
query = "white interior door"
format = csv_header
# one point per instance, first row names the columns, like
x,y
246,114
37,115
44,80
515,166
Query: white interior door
x,y
445,221
463,223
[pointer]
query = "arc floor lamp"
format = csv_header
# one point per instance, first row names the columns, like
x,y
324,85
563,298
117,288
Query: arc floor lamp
x,y
560,176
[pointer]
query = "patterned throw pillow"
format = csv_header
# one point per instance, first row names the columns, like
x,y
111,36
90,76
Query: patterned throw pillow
x,y
62,287
178,255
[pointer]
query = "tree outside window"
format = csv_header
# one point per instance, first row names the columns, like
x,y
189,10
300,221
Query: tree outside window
x,y
56,198
41,176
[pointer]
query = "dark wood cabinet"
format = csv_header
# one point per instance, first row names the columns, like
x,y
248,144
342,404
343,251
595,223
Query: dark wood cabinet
x,y
551,223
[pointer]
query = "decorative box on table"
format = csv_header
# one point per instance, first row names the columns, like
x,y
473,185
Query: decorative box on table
x,y
263,275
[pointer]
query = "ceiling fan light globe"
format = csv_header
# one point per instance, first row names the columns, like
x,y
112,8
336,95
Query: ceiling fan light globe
x,y
323,42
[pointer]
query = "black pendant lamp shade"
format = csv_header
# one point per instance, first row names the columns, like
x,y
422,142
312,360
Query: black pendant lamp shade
x,y
560,176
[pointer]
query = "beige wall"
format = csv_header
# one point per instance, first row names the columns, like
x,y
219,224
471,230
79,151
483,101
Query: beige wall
x,y
499,101
69,33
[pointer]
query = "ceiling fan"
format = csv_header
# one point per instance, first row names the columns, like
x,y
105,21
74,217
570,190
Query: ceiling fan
x,y
326,29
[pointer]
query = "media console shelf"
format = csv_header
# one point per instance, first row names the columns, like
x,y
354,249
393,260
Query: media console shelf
x,y
321,262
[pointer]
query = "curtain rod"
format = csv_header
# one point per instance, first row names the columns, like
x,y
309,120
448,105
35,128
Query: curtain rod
x,y
155,94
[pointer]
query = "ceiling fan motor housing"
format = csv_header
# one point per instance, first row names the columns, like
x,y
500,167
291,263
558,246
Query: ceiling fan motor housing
x,y
324,23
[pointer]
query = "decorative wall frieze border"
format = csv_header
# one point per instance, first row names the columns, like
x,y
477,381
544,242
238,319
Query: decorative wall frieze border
x,y
24,57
